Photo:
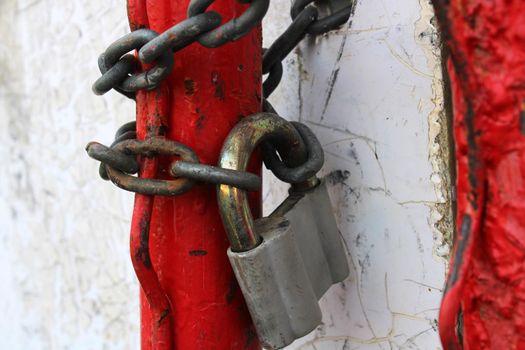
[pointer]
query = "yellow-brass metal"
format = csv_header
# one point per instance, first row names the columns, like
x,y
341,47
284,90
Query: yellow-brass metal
x,y
235,154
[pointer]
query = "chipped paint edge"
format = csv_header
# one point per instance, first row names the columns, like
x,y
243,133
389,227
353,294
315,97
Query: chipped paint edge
x,y
441,215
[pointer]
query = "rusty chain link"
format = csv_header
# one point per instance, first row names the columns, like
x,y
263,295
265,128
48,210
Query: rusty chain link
x,y
117,66
119,161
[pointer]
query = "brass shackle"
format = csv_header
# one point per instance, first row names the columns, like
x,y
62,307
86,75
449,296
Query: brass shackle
x,y
235,154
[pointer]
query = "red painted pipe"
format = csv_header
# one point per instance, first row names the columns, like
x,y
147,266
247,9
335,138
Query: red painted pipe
x,y
484,303
190,298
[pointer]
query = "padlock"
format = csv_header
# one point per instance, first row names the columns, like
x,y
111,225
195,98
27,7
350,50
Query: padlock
x,y
283,263
310,212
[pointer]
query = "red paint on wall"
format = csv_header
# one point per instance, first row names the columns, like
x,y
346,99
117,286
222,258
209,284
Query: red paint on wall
x,y
484,303
209,91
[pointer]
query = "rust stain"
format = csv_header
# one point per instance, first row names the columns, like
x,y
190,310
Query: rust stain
x,y
200,121
230,295
198,252
142,252
218,83
522,122
163,315
189,87
251,335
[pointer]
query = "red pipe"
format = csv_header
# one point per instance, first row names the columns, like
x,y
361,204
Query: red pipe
x,y
484,303
208,91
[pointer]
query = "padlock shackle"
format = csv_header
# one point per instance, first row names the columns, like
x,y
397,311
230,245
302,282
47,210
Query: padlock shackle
x,y
235,154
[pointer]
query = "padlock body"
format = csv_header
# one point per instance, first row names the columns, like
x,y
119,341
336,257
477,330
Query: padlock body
x,y
320,242
276,285
300,257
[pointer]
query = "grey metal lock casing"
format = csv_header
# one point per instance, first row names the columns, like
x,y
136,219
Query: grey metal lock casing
x,y
312,217
275,285
300,257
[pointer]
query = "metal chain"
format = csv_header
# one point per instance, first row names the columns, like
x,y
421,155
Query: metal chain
x,y
201,26
117,66
306,20
119,160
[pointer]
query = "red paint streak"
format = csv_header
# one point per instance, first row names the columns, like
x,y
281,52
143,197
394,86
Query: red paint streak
x,y
487,275
208,311
152,109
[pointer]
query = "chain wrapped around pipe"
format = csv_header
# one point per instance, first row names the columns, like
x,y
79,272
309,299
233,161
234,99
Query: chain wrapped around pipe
x,y
119,161
201,26
117,66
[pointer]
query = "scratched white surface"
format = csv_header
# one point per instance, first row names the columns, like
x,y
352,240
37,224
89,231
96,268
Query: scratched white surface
x,y
368,91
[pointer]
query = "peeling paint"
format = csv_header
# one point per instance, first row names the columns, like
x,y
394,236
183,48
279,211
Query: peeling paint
x,y
427,37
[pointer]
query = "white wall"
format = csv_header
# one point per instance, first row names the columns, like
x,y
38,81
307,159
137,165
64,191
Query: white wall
x,y
371,92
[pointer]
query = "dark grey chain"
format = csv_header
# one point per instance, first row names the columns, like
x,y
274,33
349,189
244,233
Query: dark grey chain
x,y
117,67
201,25
305,16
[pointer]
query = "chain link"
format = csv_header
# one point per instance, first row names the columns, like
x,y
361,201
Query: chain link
x,y
147,80
325,24
233,29
303,172
272,57
119,161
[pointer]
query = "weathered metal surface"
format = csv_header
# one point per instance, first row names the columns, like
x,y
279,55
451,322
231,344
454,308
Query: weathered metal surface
x,y
112,76
288,40
151,123
121,159
117,68
311,215
484,302
275,75
304,20
153,146
115,159
124,132
276,285
179,36
281,276
215,175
